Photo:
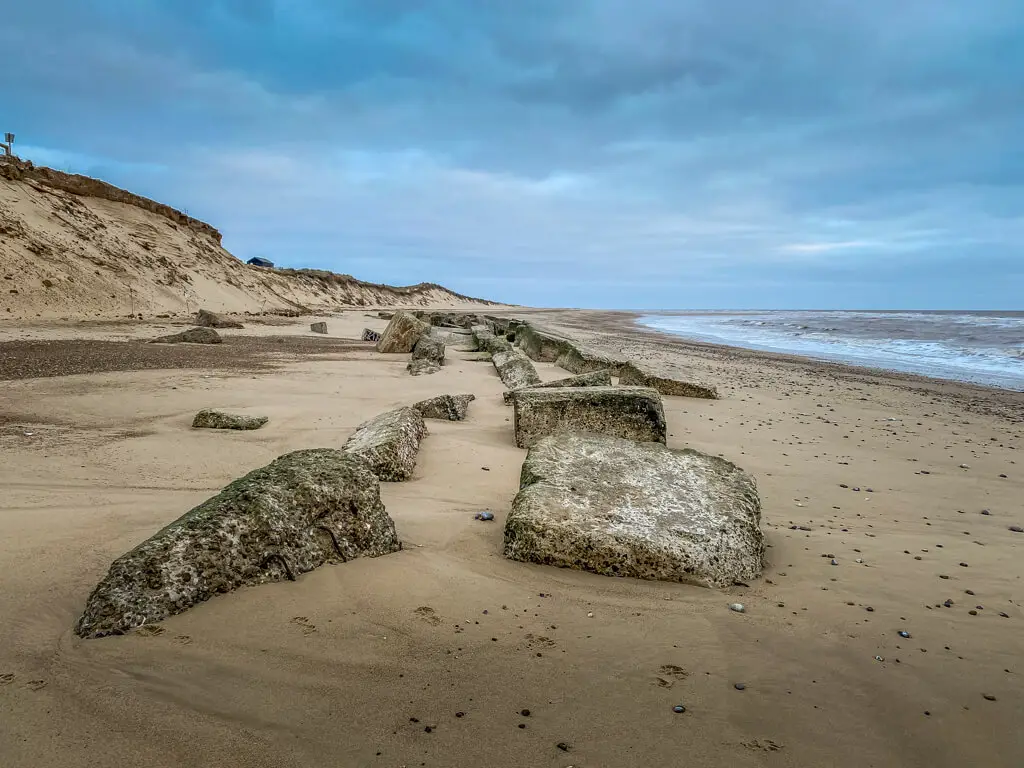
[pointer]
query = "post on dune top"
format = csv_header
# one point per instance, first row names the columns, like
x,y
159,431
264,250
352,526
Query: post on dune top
x,y
8,144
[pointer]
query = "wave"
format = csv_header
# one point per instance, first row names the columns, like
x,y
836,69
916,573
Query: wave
x,y
975,347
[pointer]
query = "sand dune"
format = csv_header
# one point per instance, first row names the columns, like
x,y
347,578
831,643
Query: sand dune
x,y
73,247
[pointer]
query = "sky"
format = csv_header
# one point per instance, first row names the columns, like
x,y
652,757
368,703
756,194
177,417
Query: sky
x,y
584,153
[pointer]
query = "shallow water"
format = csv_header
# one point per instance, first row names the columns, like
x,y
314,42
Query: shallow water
x,y
980,347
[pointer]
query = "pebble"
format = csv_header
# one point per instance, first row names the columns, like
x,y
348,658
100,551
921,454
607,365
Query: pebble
x,y
988,697
985,512
678,709
973,613
949,603
963,565
904,633
968,591
525,712
739,686
1016,529
869,609
738,607
484,516
565,747
943,576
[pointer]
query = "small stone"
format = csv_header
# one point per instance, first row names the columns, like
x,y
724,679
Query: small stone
x,y
525,713
738,607
965,466
590,615
973,613
943,576
834,561
460,714
985,512
1016,529
522,725
1004,615
563,746
988,697
428,729
483,516
869,609
679,709
739,686
963,565
903,633
949,603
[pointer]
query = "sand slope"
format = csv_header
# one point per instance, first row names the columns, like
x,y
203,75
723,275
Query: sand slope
x,y
71,246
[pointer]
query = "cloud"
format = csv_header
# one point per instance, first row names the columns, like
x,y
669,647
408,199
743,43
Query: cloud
x,y
611,152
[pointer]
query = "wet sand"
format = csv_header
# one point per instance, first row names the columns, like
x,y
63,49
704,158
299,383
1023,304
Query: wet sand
x,y
370,663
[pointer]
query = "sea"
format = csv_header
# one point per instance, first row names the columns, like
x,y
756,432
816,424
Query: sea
x,y
979,347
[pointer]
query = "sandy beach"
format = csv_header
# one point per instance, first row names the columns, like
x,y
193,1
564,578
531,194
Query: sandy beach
x,y
448,655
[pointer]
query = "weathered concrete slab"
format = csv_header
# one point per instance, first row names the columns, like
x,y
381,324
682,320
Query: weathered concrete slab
x,y
634,413
454,337
540,344
487,341
422,367
208,419
370,335
621,508
515,369
318,327
302,511
207,319
579,359
191,336
389,443
665,381
592,379
402,333
429,348
445,407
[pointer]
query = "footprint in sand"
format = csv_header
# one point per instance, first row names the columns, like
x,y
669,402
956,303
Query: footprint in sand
x,y
428,614
183,639
762,745
149,630
538,641
6,678
672,671
307,627
35,685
